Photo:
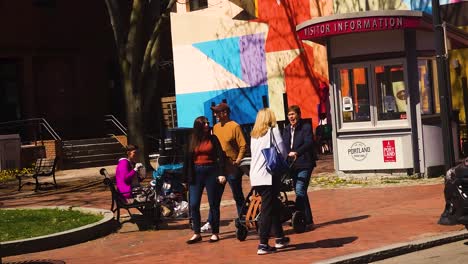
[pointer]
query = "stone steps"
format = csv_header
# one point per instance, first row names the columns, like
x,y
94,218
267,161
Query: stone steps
x,y
92,152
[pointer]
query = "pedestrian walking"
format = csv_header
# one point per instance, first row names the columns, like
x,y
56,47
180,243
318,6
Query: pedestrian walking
x,y
203,167
266,184
234,146
299,141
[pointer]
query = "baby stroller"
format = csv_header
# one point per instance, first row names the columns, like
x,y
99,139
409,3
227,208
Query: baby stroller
x,y
252,205
170,192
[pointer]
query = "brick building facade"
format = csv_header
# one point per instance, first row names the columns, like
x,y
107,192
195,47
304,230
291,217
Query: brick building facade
x,y
57,62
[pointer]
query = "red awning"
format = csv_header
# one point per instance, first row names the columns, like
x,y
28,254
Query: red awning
x,y
321,28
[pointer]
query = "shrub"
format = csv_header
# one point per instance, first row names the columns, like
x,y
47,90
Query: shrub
x,y
9,174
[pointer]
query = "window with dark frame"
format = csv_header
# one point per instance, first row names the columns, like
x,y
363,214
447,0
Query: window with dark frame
x,y
197,4
391,92
354,94
372,94
428,88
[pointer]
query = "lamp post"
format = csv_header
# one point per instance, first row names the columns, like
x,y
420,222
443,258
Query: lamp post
x,y
443,78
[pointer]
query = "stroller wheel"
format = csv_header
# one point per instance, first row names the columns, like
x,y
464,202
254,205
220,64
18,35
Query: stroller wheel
x,y
241,232
298,222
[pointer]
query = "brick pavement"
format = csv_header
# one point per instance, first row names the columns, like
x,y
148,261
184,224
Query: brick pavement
x,y
349,220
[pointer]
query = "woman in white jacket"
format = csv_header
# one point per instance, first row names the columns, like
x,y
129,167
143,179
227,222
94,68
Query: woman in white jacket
x,y
265,184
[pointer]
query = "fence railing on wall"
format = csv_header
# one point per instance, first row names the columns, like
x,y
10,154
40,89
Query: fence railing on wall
x,y
30,130
116,124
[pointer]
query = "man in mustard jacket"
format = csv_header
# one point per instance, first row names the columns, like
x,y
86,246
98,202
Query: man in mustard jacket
x,y
234,146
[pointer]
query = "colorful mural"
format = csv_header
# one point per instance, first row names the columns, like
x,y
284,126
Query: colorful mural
x,y
246,53
248,63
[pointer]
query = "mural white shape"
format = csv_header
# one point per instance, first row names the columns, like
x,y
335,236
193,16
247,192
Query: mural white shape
x,y
198,73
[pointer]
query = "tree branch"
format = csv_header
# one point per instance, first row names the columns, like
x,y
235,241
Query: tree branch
x,y
133,49
113,9
154,10
153,42
152,52
319,8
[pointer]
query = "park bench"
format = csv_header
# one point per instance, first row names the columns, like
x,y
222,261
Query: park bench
x,y
43,168
148,207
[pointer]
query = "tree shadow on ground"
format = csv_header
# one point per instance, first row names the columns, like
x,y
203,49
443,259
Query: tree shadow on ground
x,y
225,222
175,223
334,222
326,243
251,235
142,223
166,223
38,261
63,188
183,223
341,221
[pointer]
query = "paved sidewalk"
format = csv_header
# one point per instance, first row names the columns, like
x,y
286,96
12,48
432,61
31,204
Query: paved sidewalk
x,y
349,221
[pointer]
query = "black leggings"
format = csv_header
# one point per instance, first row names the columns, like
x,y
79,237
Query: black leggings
x,y
270,211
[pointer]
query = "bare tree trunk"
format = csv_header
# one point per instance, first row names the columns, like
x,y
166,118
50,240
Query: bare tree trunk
x,y
136,131
138,53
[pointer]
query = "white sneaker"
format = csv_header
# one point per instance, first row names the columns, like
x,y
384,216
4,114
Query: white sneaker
x,y
282,242
264,249
206,228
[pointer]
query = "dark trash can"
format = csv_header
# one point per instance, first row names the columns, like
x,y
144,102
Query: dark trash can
x,y
456,196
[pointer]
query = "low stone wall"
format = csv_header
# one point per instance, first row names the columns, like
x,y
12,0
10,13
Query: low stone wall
x,y
41,149
62,239
52,148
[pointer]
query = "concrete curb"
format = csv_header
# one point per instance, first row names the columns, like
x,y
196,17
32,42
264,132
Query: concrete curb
x,y
62,239
397,249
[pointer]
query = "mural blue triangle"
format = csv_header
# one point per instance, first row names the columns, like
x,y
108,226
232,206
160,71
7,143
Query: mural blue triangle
x,y
225,52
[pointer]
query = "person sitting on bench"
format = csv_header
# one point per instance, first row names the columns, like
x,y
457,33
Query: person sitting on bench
x,y
129,174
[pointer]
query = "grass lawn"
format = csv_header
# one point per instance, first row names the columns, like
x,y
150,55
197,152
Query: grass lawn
x,y
27,223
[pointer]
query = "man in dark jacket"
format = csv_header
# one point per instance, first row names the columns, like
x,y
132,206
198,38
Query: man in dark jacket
x,y
299,142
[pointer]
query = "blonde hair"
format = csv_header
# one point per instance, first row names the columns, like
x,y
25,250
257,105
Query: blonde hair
x,y
265,120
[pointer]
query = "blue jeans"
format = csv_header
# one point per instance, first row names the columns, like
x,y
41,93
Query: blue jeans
x,y
235,182
205,176
301,181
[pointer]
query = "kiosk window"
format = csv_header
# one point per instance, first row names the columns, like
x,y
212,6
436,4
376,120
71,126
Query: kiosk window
x,y
354,95
428,89
372,95
391,92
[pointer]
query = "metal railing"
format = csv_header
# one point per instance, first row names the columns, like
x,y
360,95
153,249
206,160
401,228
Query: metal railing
x,y
30,129
49,129
116,123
